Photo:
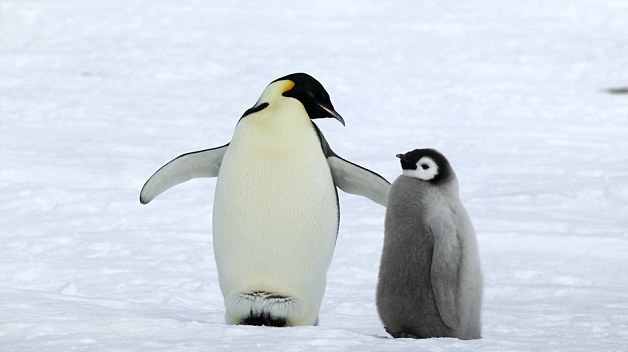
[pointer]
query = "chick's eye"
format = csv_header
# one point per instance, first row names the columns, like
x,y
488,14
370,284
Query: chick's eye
x,y
424,166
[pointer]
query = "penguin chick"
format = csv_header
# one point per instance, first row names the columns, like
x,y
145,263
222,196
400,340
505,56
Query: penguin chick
x,y
430,280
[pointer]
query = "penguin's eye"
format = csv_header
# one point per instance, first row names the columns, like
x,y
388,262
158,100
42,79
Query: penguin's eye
x,y
424,166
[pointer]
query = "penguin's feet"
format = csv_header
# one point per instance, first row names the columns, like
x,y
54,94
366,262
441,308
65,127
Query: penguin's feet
x,y
405,335
263,320
262,308
402,335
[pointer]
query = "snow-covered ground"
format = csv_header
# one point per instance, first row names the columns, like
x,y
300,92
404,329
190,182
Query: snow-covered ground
x,y
96,95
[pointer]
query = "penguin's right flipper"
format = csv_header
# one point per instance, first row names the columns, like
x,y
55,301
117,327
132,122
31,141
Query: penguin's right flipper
x,y
202,163
444,271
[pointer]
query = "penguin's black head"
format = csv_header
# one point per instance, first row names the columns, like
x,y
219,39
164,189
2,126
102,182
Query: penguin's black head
x,y
312,95
425,164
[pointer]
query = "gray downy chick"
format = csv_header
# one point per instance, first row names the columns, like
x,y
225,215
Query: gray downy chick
x,y
430,280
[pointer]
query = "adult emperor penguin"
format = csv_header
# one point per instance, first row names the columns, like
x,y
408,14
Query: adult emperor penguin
x,y
430,280
276,212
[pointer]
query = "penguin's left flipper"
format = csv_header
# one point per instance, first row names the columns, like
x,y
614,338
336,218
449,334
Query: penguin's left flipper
x,y
355,179
444,271
202,163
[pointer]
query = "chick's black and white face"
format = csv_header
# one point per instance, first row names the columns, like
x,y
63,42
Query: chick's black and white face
x,y
425,169
425,164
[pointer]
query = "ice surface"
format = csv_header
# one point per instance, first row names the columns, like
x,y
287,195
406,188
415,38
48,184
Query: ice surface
x,y
96,95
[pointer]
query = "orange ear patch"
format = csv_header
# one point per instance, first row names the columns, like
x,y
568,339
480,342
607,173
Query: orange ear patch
x,y
287,86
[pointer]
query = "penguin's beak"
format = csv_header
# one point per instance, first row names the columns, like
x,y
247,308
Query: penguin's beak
x,y
332,113
405,164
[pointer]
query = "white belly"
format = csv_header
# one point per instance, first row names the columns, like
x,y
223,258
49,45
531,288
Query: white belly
x,y
275,219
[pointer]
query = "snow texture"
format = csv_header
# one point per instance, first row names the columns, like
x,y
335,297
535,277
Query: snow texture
x,y
523,97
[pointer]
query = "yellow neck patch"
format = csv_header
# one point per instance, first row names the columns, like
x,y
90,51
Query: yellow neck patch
x,y
287,86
